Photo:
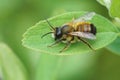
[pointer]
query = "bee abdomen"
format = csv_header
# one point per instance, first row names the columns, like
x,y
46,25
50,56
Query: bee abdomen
x,y
86,27
93,29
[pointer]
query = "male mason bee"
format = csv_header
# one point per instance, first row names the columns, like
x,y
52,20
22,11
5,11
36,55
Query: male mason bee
x,y
79,28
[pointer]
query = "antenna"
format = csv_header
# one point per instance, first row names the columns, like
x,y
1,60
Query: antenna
x,y
46,34
50,25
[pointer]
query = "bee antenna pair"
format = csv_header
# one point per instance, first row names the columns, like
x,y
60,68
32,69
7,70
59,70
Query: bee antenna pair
x,y
50,27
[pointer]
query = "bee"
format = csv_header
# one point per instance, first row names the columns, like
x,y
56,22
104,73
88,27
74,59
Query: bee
x,y
78,29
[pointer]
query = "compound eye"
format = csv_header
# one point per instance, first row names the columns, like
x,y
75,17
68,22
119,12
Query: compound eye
x,y
58,33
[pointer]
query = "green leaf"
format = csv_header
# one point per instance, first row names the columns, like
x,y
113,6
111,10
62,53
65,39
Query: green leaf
x,y
106,33
52,67
47,68
12,67
106,3
113,7
116,21
115,46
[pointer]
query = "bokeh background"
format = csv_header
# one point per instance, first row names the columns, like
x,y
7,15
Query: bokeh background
x,y
16,16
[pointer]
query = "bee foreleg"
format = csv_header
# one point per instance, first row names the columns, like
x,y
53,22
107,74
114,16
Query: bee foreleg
x,y
66,46
86,43
73,18
56,42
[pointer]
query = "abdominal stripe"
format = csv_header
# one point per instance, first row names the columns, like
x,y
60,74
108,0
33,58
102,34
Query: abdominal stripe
x,y
84,28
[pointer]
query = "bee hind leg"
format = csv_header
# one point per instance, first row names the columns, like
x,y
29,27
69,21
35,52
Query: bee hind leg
x,y
86,43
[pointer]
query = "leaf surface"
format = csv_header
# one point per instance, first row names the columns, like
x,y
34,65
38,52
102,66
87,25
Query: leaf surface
x,y
106,33
12,67
113,7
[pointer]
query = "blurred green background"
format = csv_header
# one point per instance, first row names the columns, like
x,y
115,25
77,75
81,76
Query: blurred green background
x,y
16,16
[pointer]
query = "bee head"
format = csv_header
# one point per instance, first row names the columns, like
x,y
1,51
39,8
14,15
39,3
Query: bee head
x,y
58,33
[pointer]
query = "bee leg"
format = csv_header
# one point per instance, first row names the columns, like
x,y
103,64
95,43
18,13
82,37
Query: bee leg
x,y
66,46
73,18
86,43
56,42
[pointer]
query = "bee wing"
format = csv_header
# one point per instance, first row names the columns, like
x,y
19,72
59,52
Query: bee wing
x,y
84,35
86,17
